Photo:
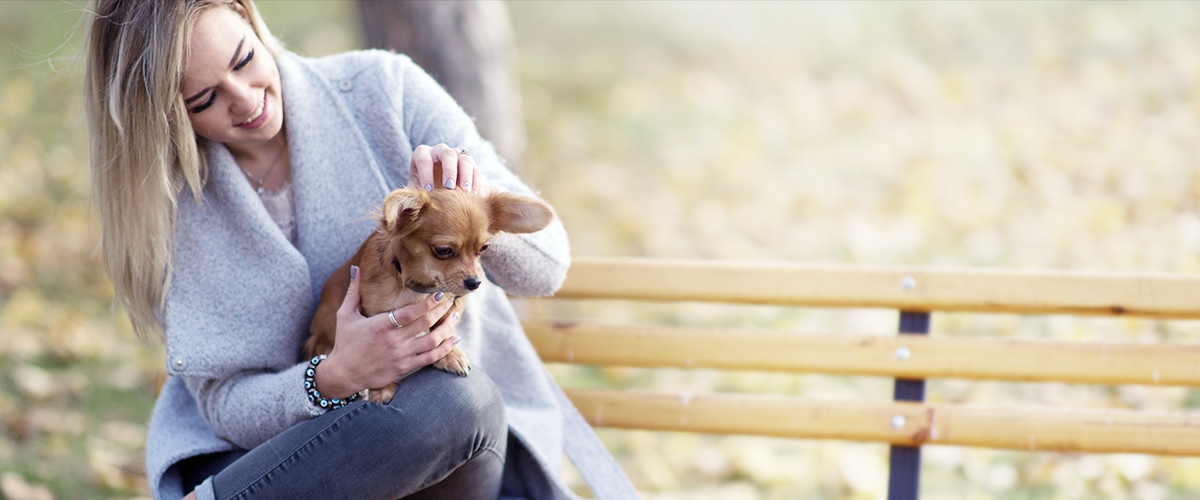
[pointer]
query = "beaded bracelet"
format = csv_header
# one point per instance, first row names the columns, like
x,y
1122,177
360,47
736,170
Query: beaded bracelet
x,y
314,396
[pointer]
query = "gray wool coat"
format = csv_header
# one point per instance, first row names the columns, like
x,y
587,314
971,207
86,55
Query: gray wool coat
x,y
242,296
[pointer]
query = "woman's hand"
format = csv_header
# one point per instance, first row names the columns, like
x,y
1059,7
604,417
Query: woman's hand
x,y
371,352
459,170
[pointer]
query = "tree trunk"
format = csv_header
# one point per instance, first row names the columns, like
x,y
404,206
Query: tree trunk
x,y
468,47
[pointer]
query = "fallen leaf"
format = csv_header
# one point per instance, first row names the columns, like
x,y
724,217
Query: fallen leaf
x,y
15,487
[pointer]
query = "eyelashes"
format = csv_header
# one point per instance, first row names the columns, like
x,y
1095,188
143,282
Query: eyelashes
x,y
212,96
245,61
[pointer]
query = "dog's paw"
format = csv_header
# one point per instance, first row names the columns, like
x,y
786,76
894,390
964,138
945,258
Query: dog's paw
x,y
455,362
383,395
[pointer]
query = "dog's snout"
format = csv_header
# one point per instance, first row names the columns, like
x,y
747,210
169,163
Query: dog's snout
x,y
471,283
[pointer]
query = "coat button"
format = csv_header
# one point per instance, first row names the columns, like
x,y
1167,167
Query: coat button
x,y
178,364
345,85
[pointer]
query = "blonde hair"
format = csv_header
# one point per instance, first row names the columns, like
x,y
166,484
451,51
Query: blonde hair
x,y
143,149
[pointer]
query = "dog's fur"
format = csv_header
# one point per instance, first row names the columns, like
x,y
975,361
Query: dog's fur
x,y
400,262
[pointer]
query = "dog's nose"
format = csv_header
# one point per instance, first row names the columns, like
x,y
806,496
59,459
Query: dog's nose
x,y
471,283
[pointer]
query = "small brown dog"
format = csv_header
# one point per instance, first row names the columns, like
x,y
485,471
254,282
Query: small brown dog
x,y
427,241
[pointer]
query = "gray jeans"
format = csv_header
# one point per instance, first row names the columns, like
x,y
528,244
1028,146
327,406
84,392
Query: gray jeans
x,y
441,437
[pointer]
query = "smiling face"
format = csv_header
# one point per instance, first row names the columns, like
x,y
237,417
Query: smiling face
x,y
231,84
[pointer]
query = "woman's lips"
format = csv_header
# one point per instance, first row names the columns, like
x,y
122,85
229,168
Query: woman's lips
x,y
258,120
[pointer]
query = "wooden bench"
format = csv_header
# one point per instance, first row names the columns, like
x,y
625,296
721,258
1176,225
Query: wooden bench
x,y
908,422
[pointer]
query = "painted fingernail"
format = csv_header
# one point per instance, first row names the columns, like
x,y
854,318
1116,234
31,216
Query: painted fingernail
x,y
437,297
429,187
353,272
450,183
455,340
455,315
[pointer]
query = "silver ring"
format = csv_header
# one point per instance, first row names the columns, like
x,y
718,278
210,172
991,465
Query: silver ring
x,y
392,317
464,152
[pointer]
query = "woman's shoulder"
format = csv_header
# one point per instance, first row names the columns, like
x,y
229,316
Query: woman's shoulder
x,y
350,64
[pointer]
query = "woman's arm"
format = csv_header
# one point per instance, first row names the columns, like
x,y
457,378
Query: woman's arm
x,y
249,408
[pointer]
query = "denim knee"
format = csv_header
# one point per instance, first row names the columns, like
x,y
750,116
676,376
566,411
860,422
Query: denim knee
x,y
451,411
437,423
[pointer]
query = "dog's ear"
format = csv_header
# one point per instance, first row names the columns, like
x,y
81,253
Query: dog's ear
x,y
518,214
401,208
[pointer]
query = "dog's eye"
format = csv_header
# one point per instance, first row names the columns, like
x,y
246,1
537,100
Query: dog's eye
x,y
443,252
483,248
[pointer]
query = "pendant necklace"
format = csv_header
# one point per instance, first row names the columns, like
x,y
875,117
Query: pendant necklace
x,y
260,190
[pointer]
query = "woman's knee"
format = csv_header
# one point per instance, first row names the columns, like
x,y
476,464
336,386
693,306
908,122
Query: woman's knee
x,y
450,408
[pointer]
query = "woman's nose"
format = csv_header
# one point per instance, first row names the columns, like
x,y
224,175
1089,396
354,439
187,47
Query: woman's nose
x,y
244,99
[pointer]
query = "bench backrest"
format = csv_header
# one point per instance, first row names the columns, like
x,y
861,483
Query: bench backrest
x,y
908,422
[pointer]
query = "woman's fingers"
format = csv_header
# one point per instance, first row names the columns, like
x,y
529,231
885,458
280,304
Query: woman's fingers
x,y
479,183
381,348
407,314
428,357
349,307
423,350
459,170
438,343
448,157
414,318
420,169
466,170
425,321
438,335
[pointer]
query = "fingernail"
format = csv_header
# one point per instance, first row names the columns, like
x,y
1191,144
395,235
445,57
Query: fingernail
x,y
455,316
455,340
429,187
450,183
467,185
353,272
437,297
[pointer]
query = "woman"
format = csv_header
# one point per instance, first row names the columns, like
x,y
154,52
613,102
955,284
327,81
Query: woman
x,y
232,178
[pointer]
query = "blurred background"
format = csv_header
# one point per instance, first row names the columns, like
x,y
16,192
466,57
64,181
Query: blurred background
x,y
1046,135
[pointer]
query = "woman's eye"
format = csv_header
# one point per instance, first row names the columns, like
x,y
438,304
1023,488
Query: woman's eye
x,y
244,61
443,252
211,97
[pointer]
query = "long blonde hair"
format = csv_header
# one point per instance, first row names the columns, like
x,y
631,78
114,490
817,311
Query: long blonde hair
x,y
143,149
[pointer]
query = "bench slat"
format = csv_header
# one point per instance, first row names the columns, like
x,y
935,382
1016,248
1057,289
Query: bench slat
x,y
780,416
1001,291
928,357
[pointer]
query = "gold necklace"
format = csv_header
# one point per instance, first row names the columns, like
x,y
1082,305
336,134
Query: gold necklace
x,y
260,190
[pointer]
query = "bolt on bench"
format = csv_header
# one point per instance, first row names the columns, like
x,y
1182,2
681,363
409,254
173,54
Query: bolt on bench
x,y
910,357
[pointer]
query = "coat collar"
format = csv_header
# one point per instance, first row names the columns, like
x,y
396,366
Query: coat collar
x,y
228,237
335,177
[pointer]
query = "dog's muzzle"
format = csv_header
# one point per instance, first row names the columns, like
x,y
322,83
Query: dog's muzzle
x,y
421,288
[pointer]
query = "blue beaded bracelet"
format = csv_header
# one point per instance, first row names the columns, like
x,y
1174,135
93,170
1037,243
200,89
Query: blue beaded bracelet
x,y
314,396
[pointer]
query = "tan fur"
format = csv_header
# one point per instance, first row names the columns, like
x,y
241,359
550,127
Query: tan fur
x,y
412,223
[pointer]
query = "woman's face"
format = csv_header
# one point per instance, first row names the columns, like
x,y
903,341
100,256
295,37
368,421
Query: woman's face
x,y
230,83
